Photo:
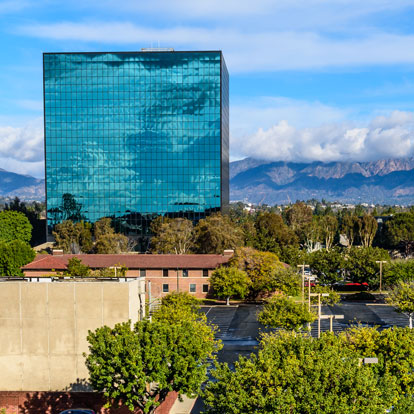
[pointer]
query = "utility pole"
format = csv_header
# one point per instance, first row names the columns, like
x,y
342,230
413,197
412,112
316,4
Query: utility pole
x,y
178,283
302,266
380,263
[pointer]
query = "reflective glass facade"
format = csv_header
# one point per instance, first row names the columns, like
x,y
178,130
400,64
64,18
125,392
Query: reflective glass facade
x,y
135,135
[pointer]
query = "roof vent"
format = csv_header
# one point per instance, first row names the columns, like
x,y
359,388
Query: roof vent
x,y
57,252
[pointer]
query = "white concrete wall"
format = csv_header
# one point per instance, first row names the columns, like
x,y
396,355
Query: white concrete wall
x,y
43,328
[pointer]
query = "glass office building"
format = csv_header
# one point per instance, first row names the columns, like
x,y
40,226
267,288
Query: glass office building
x,y
135,135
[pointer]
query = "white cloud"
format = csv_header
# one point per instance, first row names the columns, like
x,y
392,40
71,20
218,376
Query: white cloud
x,y
262,112
245,51
383,137
284,14
23,144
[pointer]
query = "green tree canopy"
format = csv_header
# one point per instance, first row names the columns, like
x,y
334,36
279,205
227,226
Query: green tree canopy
x,y
139,366
73,237
103,227
180,299
112,243
296,374
299,217
14,225
394,348
174,236
399,231
14,255
216,233
398,271
327,265
367,228
283,312
361,266
75,267
228,282
328,225
401,296
272,233
349,227
259,266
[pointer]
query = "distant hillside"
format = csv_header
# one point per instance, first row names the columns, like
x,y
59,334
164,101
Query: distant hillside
x,y
384,181
25,187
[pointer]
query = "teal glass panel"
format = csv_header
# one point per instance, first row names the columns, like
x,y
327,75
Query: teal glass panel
x,y
135,135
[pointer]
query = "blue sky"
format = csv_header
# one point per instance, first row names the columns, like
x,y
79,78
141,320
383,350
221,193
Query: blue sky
x,y
310,79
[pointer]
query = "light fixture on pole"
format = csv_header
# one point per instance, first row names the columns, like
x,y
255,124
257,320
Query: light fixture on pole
x,y
302,266
380,262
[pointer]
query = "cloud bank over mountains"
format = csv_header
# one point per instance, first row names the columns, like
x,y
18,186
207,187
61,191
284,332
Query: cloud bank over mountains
x,y
21,148
384,137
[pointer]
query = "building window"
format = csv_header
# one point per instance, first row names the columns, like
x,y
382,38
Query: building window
x,y
192,287
185,272
142,272
205,288
205,272
165,287
164,272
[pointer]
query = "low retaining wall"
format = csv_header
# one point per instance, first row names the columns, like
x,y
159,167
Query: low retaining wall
x,y
21,402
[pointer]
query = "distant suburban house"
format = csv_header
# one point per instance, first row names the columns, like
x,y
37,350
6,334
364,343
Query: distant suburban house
x,y
164,273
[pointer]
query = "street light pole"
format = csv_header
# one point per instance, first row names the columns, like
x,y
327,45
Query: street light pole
x,y
302,266
380,263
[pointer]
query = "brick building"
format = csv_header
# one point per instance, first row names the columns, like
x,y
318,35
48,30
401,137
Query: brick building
x,y
164,273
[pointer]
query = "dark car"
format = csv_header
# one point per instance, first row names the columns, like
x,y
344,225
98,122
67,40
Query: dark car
x,y
78,411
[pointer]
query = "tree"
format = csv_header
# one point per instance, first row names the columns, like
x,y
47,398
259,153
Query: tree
x,y
75,267
173,237
394,348
259,266
399,231
299,218
139,366
360,263
181,300
103,227
13,256
283,312
112,243
14,226
398,271
272,233
228,282
216,233
284,280
293,255
402,298
349,227
296,374
367,228
327,265
73,237
328,226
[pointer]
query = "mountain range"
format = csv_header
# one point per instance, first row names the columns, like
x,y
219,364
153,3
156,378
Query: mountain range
x,y
25,187
264,182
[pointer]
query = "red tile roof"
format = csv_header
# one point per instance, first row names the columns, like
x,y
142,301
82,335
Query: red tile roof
x,y
131,261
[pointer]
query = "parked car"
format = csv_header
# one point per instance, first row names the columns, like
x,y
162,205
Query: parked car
x,y
78,411
351,286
